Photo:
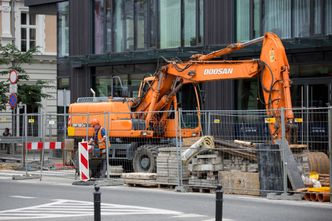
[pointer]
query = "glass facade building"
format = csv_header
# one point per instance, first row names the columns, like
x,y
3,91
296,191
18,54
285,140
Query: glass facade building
x,y
100,41
287,18
130,25
302,24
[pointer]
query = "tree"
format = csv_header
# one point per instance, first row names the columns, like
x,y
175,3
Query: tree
x,y
30,94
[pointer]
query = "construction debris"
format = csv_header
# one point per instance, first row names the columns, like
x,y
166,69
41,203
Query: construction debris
x,y
247,151
9,166
168,166
324,179
237,182
140,179
202,144
204,169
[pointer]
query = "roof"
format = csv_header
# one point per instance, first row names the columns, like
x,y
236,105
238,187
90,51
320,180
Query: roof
x,y
46,7
40,2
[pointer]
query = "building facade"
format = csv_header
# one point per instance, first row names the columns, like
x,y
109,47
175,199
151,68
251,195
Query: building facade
x,y
26,30
102,40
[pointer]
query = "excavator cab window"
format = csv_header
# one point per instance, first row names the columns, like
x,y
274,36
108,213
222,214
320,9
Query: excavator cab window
x,y
187,101
144,86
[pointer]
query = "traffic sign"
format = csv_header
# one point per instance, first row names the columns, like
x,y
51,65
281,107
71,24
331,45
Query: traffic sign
x,y
13,88
13,100
13,76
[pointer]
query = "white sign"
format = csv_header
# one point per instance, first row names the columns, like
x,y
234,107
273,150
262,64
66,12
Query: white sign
x,y
13,77
63,98
51,122
13,88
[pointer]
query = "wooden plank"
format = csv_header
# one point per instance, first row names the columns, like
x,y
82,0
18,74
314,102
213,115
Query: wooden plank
x,y
140,176
207,167
147,183
237,182
187,142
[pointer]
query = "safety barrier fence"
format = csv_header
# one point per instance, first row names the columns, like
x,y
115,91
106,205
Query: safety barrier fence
x,y
243,157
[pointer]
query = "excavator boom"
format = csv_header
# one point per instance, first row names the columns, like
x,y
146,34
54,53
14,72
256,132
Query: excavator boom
x,y
272,68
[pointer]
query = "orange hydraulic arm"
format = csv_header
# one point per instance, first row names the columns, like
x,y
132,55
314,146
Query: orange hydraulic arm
x,y
272,68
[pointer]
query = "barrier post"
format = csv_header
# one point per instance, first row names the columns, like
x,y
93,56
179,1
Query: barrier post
x,y
43,134
96,200
283,139
107,120
330,146
209,123
219,202
180,187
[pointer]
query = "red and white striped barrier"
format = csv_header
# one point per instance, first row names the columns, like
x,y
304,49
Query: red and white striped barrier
x,y
45,146
83,151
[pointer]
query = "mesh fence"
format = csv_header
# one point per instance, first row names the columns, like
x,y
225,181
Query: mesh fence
x,y
175,147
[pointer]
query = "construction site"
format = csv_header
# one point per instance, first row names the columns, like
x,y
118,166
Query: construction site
x,y
235,150
162,138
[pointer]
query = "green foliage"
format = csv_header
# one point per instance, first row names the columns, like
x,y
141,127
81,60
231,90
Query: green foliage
x,y
30,94
3,97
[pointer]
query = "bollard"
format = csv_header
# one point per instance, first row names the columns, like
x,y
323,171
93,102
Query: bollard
x,y
219,202
96,200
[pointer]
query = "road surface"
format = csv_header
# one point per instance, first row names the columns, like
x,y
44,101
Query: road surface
x,y
50,200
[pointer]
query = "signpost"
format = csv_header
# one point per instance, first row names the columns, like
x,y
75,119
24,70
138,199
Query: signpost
x,y
13,77
13,100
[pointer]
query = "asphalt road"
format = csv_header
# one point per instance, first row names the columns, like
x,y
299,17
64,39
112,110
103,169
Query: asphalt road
x,y
35,200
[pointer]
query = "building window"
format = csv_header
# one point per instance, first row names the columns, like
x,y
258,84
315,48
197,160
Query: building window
x,y
28,31
128,25
170,23
286,18
181,23
120,80
124,25
63,29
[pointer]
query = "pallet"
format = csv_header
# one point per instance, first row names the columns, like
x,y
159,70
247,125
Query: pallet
x,y
141,183
171,186
200,189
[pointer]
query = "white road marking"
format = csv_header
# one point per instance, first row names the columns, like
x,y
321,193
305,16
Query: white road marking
x,y
62,208
188,215
23,197
224,219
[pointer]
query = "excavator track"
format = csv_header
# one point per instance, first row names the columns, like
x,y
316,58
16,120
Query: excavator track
x,y
145,158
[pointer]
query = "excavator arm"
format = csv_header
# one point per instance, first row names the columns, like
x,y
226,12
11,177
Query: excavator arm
x,y
272,68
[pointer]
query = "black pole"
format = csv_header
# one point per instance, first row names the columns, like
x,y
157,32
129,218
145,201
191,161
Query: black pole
x,y
96,199
219,202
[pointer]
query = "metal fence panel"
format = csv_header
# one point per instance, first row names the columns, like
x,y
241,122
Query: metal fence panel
x,y
244,160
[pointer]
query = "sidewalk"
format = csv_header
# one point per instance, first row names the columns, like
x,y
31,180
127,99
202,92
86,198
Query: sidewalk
x,y
59,177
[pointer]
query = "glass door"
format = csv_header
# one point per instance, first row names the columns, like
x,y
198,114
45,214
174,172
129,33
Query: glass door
x,y
312,92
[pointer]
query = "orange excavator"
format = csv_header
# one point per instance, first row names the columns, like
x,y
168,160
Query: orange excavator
x,y
137,127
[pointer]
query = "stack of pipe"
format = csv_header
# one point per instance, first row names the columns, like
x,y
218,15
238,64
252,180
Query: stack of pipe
x,y
204,143
238,148
321,194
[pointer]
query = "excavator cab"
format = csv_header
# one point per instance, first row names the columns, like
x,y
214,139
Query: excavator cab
x,y
189,102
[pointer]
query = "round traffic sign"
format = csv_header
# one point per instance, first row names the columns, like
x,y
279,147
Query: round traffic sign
x,y
13,76
13,100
